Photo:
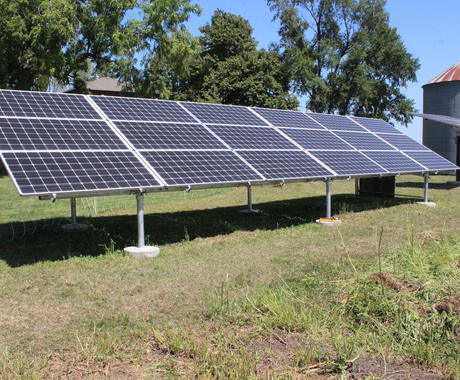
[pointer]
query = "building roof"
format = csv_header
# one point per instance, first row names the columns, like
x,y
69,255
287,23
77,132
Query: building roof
x,y
105,84
449,75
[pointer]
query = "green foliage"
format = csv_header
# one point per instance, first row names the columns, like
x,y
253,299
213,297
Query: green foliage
x,y
41,39
230,69
344,55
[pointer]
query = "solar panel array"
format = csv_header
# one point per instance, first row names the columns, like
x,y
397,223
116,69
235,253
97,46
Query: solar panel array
x,y
74,145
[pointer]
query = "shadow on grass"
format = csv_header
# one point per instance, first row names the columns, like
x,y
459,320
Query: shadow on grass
x,y
54,244
421,185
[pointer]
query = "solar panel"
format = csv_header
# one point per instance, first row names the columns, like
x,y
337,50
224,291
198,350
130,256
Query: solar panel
x,y
45,105
223,114
119,108
336,122
311,139
364,141
55,134
349,163
285,118
144,135
402,142
395,162
198,167
54,172
375,125
285,164
431,160
252,137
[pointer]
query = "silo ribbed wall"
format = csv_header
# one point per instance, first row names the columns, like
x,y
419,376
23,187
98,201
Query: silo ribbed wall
x,y
441,98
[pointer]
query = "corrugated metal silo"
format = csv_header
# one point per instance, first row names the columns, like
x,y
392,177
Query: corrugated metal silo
x,y
441,96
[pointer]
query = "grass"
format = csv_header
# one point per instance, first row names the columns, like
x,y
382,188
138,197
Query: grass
x,y
270,295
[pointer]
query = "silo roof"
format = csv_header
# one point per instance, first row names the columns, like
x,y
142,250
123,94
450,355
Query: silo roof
x,y
449,75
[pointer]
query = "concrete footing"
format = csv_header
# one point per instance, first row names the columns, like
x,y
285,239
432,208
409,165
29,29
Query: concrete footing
x,y
77,226
456,183
428,204
247,211
329,221
146,252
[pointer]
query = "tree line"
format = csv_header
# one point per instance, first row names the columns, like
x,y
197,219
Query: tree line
x,y
342,56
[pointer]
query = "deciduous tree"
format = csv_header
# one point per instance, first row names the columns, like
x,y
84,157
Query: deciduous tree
x,y
230,69
345,57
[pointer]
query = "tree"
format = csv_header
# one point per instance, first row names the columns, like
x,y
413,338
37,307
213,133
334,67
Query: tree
x,y
42,39
230,69
345,57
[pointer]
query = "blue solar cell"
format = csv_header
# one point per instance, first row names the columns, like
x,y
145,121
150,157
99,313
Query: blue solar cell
x,y
311,139
252,137
197,167
285,164
144,135
118,108
349,163
336,122
45,105
431,160
395,162
223,114
402,142
364,141
285,118
55,172
375,125
57,134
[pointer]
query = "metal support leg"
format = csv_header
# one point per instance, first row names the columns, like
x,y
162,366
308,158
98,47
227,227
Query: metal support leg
x,y
426,201
328,220
249,209
73,215
140,221
356,186
142,251
328,199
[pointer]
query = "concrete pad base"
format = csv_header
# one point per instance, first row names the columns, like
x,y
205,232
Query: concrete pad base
x,y
457,183
329,221
429,204
78,226
146,252
249,211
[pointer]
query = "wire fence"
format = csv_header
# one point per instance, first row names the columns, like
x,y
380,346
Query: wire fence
x,y
97,205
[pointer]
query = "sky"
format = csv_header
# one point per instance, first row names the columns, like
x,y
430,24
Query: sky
x,y
429,29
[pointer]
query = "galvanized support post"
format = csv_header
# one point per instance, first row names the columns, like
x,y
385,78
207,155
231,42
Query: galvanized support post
x,y
425,192
249,209
141,251
140,220
426,201
73,210
73,215
328,198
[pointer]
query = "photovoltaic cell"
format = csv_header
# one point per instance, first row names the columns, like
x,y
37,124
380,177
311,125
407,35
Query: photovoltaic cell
x,y
252,137
119,108
431,160
144,135
395,162
54,172
197,167
402,142
57,134
311,139
45,105
223,114
285,118
336,122
375,125
284,164
364,141
349,163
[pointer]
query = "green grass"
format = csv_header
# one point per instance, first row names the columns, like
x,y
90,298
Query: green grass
x,y
269,295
